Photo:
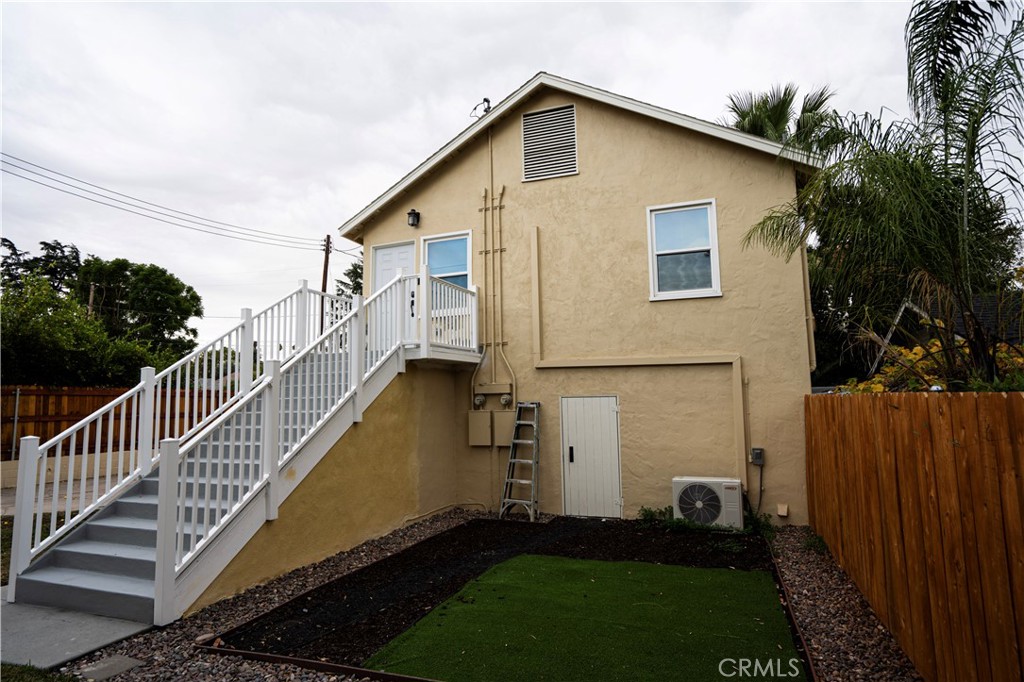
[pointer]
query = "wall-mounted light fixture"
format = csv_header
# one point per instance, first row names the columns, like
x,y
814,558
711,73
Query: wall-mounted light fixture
x,y
414,218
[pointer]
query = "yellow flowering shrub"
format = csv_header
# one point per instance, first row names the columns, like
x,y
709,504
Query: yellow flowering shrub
x,y
921,369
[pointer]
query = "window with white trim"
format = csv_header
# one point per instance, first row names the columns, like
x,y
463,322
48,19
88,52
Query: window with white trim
x,y
683,247
448,258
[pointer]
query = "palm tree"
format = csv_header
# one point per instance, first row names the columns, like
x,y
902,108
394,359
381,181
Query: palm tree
x,y
772,114
925,210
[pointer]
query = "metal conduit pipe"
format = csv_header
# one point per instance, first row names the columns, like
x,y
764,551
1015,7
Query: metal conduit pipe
x,y
491,253
483,355
501,295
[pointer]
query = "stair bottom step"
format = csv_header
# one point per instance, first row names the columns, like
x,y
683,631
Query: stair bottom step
x,y
115,596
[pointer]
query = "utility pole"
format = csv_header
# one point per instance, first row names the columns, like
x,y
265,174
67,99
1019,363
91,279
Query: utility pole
x,y
323,281
92,295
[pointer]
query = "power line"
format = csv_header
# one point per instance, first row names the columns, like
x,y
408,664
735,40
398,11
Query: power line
x,y
143,201
169,222
299,240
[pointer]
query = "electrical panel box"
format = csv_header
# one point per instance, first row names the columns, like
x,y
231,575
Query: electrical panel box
x,y
504,425
480,428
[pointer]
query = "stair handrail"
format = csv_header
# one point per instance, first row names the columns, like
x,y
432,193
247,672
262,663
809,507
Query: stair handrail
x,y
330,389
216,369
300,396
250,463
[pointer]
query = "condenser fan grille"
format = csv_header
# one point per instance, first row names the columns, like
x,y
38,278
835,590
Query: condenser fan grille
x,y
699,503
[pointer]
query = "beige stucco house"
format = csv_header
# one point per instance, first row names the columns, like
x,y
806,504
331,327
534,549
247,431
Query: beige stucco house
x,y
604,236
571,247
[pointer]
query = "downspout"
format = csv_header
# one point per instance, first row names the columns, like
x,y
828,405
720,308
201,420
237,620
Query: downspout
x,y
808,311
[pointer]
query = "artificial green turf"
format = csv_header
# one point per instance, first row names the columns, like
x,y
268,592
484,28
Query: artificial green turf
x,y
552,618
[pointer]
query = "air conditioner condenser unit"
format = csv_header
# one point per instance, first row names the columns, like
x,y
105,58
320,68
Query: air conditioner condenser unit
x,y
708,501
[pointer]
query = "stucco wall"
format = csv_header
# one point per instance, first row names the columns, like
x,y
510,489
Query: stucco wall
x,y
593,285
396,465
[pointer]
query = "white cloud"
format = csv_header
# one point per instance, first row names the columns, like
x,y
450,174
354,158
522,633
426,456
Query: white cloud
x,y
291,117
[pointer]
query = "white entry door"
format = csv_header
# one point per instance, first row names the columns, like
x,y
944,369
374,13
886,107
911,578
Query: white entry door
x,y
591,480
388,259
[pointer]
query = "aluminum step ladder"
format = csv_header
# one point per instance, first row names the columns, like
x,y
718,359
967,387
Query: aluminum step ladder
x,y
524,453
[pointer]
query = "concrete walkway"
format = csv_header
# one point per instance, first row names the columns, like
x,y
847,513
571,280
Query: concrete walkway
x,y
47,637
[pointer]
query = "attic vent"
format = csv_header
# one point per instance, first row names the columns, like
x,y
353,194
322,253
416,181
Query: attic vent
x,y
549,143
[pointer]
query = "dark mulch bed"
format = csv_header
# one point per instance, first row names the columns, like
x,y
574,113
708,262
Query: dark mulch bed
x,y
350,618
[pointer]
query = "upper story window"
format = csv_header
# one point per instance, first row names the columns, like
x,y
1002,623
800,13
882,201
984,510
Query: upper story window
x,y
549,143
448,258
683,245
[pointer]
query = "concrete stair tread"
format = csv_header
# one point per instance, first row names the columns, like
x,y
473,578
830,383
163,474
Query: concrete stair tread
x,y
110,549
147,498
91,580
119,521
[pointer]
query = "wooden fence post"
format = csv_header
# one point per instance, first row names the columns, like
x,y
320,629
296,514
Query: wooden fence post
x,y
24,502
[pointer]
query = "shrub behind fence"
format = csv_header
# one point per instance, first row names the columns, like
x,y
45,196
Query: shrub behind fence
x,y
920,498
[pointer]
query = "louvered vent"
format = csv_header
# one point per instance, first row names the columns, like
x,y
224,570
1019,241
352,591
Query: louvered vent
x,y
549,143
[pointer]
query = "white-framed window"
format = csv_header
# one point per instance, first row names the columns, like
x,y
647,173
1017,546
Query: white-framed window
x,y
683,247
448,257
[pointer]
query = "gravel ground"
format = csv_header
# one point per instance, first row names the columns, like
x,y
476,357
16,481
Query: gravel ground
x,y
843,635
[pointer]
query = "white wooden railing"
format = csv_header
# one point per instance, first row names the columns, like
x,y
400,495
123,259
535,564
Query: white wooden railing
x,y
230,415
452,315
87,466
207,481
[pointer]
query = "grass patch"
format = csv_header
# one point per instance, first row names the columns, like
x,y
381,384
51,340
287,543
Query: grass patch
x,y
6,535
26,673
552,618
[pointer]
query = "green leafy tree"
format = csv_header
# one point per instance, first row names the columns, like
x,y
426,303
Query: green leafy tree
x,y
141,303
50,340
58,264
352,284
923,210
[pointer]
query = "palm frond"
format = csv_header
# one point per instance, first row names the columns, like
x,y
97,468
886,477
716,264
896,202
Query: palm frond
x,y
939,35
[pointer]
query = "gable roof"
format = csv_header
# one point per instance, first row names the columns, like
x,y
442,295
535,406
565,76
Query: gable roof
x,y
352,226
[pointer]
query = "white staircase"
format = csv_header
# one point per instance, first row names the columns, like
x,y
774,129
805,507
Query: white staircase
x,y
185,467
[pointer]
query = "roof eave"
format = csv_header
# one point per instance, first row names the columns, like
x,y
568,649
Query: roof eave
x,y
352,228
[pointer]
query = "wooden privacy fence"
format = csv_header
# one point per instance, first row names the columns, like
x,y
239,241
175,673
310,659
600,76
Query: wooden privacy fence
x,y
920,498
45,412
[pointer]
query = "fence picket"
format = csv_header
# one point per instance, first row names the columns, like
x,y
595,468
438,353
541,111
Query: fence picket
x,y
1004,643
909,471
894,576
920,498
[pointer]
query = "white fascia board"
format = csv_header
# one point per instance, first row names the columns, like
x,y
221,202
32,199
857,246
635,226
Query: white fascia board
x,y
588,92
440,155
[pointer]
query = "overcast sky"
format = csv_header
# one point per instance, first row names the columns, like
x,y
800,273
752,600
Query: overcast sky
x,y
289,118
